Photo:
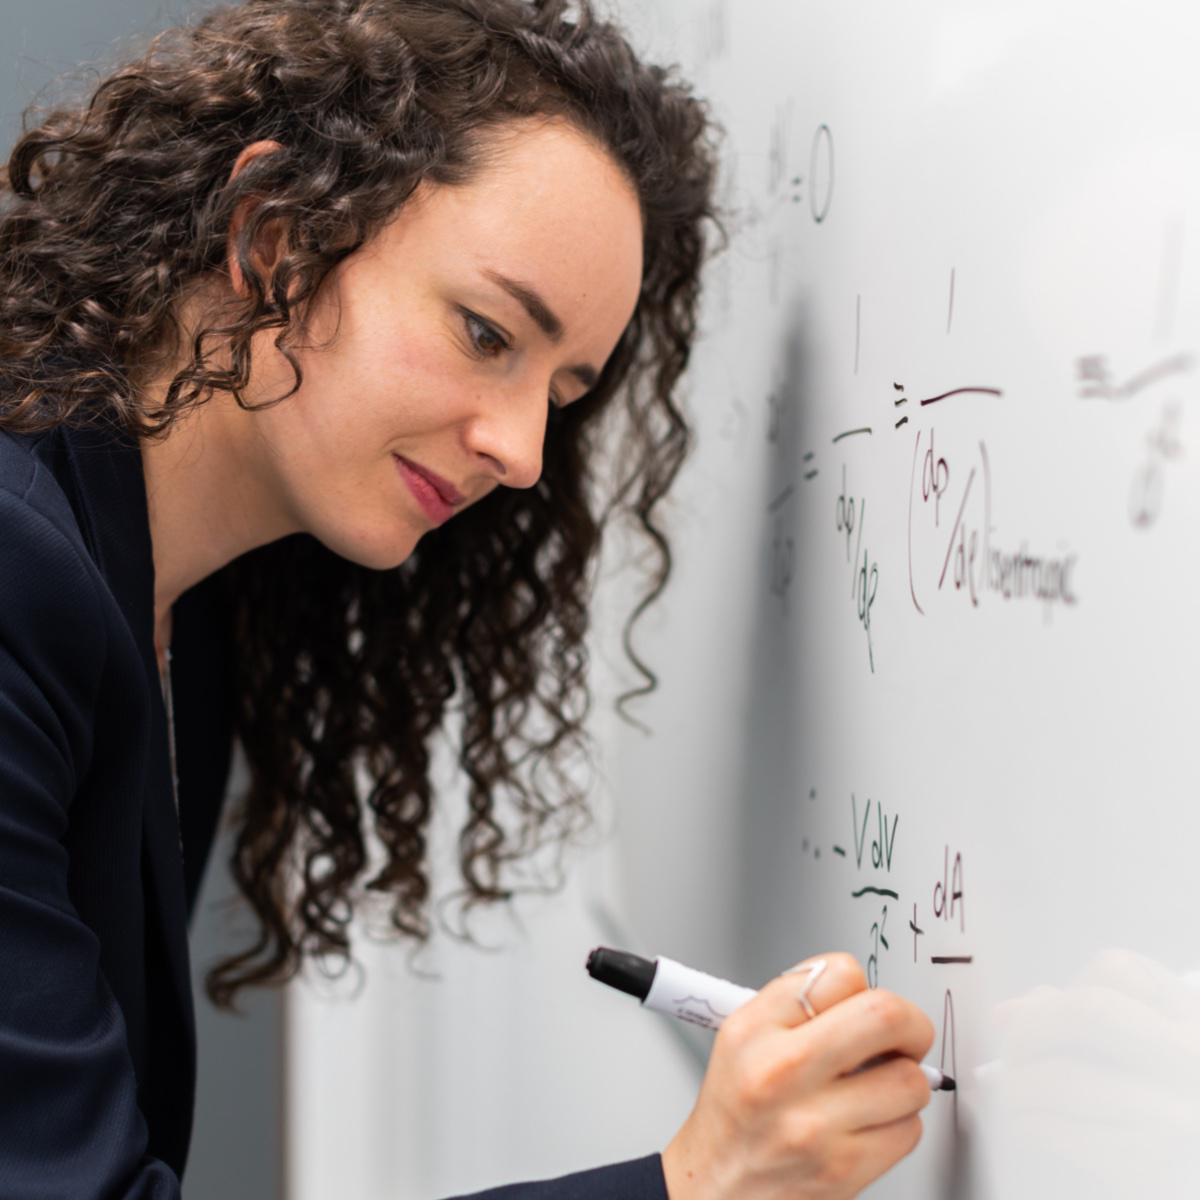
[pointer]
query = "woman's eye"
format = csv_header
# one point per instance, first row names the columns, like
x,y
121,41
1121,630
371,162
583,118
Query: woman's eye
x,y
486,341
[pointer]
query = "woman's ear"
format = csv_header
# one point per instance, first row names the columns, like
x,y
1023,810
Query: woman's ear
x,y
269,244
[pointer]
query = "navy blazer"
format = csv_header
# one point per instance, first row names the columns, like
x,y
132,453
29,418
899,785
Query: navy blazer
x,y
98,871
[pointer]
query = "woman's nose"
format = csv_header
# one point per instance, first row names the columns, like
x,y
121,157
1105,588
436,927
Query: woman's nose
x,y
510,432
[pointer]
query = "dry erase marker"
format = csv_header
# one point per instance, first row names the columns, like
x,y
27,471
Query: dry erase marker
x,y
669,987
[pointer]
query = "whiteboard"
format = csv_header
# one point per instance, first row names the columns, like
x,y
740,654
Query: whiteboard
x,y
929,663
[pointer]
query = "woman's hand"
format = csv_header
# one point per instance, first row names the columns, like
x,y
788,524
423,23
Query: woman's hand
x,y
784,1112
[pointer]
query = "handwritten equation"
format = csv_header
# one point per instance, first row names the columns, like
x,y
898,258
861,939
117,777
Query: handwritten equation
x,y
939,913
967,557
864,572
1097,380
956,548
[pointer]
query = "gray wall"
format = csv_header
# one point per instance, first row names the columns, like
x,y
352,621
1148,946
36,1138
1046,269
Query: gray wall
x,y
44,42
236,1150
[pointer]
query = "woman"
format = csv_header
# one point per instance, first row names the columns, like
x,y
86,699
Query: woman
x,y
311,324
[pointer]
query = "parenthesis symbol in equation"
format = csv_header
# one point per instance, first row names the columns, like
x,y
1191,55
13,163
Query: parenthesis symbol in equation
x,y
912,587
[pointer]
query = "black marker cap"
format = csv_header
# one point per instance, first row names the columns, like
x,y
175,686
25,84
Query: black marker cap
x,y
626,972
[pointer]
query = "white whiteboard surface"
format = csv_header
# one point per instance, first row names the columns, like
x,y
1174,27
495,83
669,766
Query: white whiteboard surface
x,y
929,197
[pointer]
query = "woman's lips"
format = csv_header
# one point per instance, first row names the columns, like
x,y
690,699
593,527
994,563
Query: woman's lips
x,y
437,497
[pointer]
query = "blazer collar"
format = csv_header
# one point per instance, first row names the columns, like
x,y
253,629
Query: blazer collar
x,y
105,474
109,501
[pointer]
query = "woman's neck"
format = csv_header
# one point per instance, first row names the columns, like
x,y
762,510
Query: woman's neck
x,y
208,499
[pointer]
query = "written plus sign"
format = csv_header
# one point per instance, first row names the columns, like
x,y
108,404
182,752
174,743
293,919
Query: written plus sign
x,y
916,932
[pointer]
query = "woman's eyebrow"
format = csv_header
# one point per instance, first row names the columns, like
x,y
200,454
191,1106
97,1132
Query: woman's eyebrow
x,y
543,317
533,304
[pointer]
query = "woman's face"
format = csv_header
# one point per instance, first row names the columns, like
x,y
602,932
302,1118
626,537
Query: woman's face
x,y
434,353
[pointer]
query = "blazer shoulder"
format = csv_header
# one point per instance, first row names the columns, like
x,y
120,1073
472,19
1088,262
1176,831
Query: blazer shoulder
x,y
34,487
53,614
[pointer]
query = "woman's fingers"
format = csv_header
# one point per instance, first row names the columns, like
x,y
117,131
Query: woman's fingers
x,y
878,1095
869,1025
852,1025
876,1150
788,1110
808,989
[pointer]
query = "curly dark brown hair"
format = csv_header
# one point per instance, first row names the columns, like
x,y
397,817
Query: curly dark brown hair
x,y
115,210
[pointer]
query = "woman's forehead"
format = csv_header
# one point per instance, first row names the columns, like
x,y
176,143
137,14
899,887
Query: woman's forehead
x,y
548,210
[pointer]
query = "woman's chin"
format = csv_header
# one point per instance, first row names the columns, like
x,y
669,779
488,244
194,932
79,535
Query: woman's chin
x,y
376,553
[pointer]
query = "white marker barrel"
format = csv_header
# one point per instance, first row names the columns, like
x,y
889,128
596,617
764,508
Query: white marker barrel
x,y
692,995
